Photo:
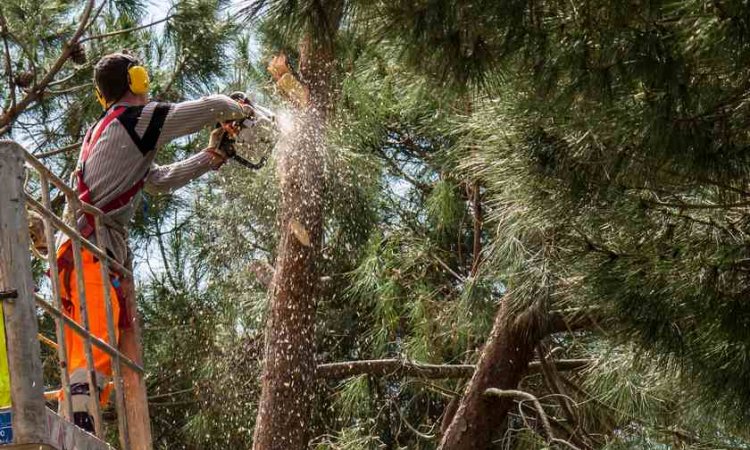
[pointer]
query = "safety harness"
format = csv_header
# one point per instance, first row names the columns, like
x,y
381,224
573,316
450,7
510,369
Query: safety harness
x,y
84,193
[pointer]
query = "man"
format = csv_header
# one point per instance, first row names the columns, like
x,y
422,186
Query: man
x,y
115,164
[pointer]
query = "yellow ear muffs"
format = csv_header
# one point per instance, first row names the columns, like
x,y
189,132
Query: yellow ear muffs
x,y
100,97
138,80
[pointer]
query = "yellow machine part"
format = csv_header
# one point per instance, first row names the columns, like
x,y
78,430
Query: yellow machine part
x,y
4,375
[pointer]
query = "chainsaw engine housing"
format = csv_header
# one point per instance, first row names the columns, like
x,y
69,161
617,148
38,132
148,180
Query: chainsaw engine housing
x,y
251,140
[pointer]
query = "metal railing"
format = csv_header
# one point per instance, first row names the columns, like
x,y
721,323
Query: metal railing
x,y
53,306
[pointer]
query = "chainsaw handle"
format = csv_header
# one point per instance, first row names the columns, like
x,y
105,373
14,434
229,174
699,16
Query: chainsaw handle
x,y
248,164
226,144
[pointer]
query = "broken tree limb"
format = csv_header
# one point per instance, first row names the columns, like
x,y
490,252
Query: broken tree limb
x,y
404,368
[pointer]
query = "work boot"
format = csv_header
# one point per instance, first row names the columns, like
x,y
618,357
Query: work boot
x,y
79,394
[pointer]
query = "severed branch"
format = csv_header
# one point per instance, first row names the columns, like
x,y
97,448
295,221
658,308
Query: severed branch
x,y
404,368
39,88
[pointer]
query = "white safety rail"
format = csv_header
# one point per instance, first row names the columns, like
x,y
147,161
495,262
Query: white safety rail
x,y
53,305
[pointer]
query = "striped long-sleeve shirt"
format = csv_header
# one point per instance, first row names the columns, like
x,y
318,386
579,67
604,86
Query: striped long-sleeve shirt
x,y
126,149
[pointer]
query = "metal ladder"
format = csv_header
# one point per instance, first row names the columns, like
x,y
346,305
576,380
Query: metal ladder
x,y
28,423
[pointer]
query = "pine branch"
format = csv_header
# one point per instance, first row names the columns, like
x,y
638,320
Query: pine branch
x,y
35,92
127,30
8,66
478,222
65,149
404,368
425,188
69,90
684,205
71,76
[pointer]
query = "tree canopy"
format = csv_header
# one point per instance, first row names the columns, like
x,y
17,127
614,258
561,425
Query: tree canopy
x,y
570,177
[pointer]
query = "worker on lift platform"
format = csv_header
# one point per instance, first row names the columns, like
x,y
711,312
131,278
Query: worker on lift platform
x,y
116,163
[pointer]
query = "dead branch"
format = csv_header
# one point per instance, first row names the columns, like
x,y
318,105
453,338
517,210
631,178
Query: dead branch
x,y
525,396
65,149
552,381
404,368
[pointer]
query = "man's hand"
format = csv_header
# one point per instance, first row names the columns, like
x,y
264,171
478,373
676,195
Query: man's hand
x,y
247,110
214,149
214,139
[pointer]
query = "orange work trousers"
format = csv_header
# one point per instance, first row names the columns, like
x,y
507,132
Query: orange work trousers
x,y
97,314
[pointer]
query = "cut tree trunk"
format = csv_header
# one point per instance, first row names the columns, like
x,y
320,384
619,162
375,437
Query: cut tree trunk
x,y
504,361
289,374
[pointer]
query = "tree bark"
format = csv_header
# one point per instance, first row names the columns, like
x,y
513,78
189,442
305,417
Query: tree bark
x,y
288,382
504,362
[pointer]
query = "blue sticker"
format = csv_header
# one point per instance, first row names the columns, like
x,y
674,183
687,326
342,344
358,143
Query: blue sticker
x,y
6,429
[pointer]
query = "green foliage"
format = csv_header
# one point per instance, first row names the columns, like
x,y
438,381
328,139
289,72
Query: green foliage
x,y
608,141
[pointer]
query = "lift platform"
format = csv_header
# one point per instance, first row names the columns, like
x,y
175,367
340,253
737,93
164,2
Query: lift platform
x,y
27,420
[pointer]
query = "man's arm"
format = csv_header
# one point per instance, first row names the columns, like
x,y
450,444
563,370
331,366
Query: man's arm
x,y
189,117
162,179
173,176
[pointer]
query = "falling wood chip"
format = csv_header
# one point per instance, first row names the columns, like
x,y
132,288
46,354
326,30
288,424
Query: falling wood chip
x,y
299,232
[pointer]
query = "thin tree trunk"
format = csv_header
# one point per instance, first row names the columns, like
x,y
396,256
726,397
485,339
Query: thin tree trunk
x,y
505,360
289,376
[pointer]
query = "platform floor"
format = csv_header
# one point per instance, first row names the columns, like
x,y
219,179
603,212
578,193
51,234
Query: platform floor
x,y
62,435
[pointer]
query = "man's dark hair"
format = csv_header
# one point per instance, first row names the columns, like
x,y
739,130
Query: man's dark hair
x,y
111,75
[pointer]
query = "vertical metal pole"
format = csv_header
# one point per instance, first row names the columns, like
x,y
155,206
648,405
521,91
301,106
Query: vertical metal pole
x,y
24,361
93,386
62,352
112,338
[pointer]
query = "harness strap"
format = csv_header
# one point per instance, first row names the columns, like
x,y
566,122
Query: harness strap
x,y
129,121
108,118
84,193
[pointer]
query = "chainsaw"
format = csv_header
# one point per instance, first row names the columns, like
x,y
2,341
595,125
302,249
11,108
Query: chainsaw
x,y
250,140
